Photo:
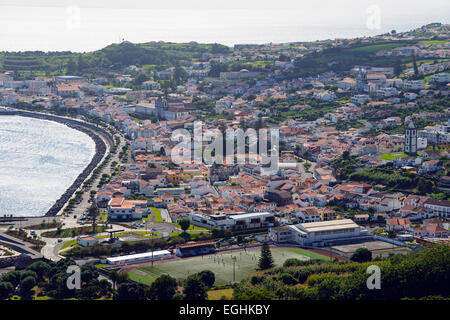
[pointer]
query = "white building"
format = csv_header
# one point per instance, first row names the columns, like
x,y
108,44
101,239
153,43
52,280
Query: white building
x,y
87,241
440,208
440,78
140,257
319,233
243,221
359,99
413,85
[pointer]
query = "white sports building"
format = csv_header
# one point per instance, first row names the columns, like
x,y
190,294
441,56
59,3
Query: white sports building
x,y
318,234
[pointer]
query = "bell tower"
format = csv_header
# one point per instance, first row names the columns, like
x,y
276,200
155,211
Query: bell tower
x,y
411,139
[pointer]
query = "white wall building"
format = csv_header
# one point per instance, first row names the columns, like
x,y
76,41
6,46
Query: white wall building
x,y
320,233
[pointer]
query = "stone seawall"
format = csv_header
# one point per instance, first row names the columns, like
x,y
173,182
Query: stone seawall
x,y
92,131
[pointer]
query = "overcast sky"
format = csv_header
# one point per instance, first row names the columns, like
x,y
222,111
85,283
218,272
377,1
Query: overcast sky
x,y
83,25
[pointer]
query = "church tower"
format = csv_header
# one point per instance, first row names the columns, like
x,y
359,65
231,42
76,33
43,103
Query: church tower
x,y
411,139
361,80
161,108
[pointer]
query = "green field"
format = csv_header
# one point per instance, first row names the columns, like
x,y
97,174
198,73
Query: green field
x,y
392,156
434,42
375,47
246,264
217,294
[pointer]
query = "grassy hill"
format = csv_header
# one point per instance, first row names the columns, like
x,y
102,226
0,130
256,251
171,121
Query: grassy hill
x,y
112,57
422,274
343,59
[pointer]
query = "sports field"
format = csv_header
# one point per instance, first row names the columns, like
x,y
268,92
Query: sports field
x,y
392,156
221,264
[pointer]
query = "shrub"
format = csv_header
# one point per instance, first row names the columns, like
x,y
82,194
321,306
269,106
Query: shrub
x,y
287,278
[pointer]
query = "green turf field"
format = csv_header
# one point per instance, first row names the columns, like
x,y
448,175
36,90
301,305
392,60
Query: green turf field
x,y
392,156
220,264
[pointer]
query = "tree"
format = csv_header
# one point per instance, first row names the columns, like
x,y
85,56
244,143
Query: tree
x,y
163,288
425,186
81,64
397,67
93,212
346,155
207,277
71,66
266,259
41,268
89,273
12,277
122,277
416,70
26,285
114,275
371,212
180,75
227,234
6,290
140,78
216,233
361,255
307,165
194,289
130,291
184,223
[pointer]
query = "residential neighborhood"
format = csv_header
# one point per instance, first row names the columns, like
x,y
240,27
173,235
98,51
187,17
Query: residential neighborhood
x,y
363,158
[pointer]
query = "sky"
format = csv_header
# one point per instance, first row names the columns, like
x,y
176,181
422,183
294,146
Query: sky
x,y
86,25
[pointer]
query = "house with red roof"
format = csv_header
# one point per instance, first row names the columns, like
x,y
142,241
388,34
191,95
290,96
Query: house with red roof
x,y
398,224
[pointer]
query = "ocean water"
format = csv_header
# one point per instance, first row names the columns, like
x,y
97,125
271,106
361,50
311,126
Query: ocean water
x,y
39,160
85,25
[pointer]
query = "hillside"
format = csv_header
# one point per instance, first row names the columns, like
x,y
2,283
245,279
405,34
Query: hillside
x,y
419,274
112,57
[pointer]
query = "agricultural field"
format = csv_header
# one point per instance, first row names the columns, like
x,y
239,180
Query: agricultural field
x,y
375,48
221,264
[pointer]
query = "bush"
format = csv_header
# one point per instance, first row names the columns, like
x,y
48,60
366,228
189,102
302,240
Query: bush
x,y
287,278
361,255
6,290
207,277
256,279
294,262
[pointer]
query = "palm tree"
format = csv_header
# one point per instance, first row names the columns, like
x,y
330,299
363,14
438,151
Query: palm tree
x,y
122,277
114,276
93,212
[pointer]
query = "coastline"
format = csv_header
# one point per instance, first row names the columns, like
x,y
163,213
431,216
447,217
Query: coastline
x,y
100,137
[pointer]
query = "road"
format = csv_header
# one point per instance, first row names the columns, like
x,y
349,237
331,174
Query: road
x,y
79,209
165,215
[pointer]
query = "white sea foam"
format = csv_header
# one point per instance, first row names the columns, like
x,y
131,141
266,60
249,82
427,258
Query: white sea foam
x,y
39,160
